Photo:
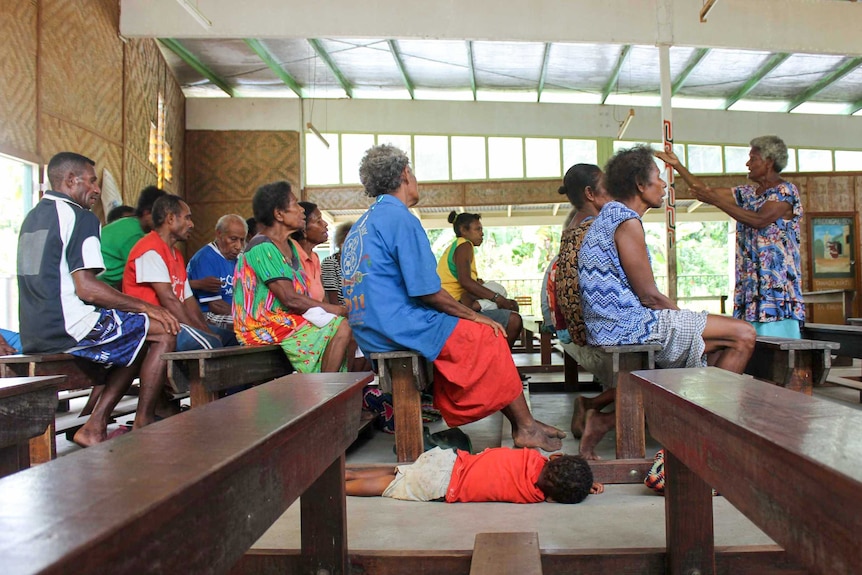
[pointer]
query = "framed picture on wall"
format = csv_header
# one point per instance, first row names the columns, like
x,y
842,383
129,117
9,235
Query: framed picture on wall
x,y
832,244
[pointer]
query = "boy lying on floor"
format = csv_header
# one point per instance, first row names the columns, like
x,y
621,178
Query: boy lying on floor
x,y
496,474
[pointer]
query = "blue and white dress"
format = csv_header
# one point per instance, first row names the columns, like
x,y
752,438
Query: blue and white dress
x,y
612,311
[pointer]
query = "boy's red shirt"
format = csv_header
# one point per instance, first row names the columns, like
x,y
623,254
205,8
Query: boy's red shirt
x,y
499,474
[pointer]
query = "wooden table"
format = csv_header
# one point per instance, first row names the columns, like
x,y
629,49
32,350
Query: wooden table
x,y
192,493
27,407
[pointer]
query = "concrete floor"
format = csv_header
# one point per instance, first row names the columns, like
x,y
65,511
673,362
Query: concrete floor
x,y
624,516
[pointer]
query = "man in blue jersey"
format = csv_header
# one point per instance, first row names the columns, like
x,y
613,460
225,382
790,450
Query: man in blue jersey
x,y
211,274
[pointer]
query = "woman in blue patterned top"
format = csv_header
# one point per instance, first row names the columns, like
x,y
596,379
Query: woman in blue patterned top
x,y
768,290
621,302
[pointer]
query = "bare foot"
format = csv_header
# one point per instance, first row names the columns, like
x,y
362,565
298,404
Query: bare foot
x,y
579,416
550,430
536,435
85,437
596,426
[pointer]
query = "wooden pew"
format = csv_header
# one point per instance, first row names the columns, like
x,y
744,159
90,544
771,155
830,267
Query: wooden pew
x,y
405,374
506,554
797,364
206,372
80,374
841,297
27,407
788,461
192,493
850,339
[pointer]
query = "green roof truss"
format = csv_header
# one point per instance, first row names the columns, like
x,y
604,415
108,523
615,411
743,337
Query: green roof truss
x,y
774,62
274,65
198,66
615,73
396,53
327,59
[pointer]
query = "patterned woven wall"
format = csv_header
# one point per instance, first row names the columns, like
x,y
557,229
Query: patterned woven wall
x,y
18,74
147,76
223,170
88,78
81,66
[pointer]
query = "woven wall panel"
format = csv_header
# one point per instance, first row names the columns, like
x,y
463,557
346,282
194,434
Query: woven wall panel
x,y
342,198
18,75
142,87
830,194
175,132
60,136
205,217
137,175
147,76
81,64
233,164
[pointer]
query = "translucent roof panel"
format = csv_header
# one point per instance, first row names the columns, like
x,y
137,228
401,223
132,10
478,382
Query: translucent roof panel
x,y
302,63
722,73
640,72
516,65
847,89
794,76
582,67
232,60
440,64
367,63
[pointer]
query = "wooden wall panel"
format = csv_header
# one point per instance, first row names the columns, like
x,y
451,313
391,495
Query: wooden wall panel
x,y
223,170
81,65
18,25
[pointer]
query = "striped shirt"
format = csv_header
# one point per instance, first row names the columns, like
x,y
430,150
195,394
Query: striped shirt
x,y
58,237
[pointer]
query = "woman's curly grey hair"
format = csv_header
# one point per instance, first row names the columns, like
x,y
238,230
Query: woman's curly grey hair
x,y
771,148
381,168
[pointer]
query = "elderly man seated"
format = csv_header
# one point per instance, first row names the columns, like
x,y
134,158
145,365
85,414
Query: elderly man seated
x,y
395,301
211,274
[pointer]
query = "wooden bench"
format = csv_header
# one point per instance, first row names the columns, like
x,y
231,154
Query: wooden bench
x,y
797,364
80,374
788,461
207,372
27,407
405,374
849,337
506,554
193,509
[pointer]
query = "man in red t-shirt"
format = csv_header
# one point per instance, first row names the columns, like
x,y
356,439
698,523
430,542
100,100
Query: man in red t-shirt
x,y
496,474
156,272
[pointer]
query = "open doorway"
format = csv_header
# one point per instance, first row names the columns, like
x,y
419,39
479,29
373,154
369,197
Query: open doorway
x,y
19,191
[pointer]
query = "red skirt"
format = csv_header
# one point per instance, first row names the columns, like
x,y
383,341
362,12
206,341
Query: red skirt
x,y
474,375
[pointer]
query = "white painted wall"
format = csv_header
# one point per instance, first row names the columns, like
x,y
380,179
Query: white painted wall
x,y
819,26
518,119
